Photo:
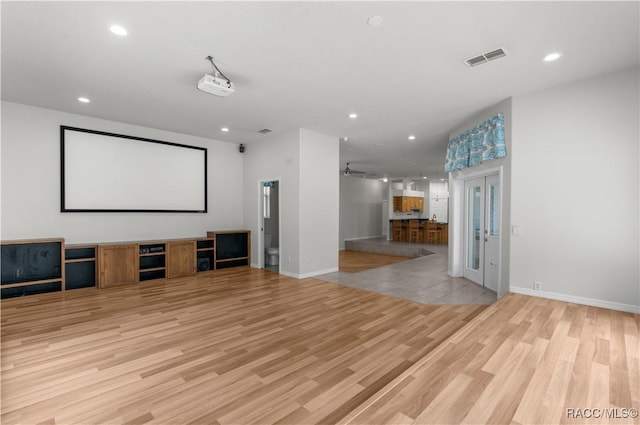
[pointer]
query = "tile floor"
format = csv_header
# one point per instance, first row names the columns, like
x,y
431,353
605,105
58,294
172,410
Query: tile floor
x,y
272,268
423,279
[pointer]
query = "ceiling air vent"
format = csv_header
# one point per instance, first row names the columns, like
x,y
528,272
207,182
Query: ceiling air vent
x,y
486,57
265,131
496,54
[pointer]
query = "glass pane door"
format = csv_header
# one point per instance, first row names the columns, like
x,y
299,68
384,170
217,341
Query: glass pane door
x,y
494,207
473,226
492,239
474,230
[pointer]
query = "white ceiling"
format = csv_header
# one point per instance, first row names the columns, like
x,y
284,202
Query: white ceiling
x,y
308,65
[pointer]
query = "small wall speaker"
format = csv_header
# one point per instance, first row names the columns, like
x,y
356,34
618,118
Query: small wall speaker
x,y
204,264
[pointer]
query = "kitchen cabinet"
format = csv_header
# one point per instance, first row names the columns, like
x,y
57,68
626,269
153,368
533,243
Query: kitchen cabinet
x,y
397,203
408,203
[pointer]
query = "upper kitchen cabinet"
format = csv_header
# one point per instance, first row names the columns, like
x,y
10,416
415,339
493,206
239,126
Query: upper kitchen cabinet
x,y
408,204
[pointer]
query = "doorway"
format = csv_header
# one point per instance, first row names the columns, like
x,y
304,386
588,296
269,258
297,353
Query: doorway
x,y
270,225
482,209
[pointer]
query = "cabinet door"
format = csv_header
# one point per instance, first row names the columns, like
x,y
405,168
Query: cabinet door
x,y
118,265
405,204
420,204
181,258
397,203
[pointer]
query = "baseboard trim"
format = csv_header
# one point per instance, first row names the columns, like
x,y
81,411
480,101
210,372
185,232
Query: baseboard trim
x,y
627,308
311,274
364,237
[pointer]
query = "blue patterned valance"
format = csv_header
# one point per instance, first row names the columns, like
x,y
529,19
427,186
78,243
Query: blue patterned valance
x,y
481,143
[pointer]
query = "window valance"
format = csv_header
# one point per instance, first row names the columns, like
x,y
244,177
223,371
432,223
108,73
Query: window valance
x,y
474,146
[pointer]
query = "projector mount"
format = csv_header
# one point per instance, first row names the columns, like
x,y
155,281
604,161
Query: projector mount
x,y
216,70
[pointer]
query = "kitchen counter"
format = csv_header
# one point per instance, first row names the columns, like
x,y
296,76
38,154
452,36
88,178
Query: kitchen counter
x,y
419,231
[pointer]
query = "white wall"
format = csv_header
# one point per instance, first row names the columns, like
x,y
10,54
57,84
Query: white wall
x,y
360,207
456,195
438,200
319,203
276,157
306,164
31,184
576,189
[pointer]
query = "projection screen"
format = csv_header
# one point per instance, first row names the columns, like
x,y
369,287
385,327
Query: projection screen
x,y
106,172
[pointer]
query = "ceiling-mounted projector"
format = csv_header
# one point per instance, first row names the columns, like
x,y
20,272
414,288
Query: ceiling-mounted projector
x,y
217,83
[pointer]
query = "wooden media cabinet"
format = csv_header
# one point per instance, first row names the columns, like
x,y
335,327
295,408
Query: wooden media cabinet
x,y
46,265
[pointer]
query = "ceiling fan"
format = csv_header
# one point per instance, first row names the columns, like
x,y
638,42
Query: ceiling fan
x,y
348,171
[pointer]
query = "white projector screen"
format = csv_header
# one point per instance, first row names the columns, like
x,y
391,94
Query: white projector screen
x,y
103,172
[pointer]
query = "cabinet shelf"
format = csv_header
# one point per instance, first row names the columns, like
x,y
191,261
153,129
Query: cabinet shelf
x,y
80,260
37,287
226,260
80,266
31,282
205,244
205,255
151,269
152,261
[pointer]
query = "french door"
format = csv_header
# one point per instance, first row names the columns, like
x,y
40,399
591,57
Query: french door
x,y
482,231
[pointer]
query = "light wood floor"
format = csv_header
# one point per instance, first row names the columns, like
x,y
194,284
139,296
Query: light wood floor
x,y
244,346
524,360
357,261
235,346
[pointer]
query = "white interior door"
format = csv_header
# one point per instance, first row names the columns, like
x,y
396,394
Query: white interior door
x,y
482,231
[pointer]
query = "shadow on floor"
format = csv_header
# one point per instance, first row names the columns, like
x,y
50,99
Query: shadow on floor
x,y
423,279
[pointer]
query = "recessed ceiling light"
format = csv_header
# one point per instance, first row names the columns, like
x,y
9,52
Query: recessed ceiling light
x,y
552,57
412,137
424,177
225,129
441,180
374,21
352,115
118,30
84,99
384,179
344,139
